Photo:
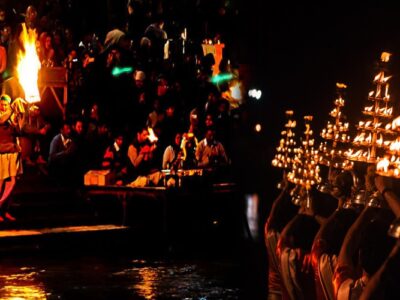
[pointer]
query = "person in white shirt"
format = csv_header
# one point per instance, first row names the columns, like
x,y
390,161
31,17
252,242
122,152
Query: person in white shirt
x,y
210,152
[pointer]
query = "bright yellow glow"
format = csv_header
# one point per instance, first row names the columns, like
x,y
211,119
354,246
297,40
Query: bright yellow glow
x,y
29,65
383,165
258,128
146,288
152,136
22,286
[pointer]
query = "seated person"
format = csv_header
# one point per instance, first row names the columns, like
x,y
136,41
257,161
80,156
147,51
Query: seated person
x,y
142,164
210,152
114,159
172,157
189,145
61,155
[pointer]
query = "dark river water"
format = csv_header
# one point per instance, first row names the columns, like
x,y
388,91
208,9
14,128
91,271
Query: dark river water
x,y
113,277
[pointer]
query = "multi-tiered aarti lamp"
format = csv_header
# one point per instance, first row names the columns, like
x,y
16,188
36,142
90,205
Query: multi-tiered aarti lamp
x,y
371,140
305,169
285,151
335,140
335,135
389,165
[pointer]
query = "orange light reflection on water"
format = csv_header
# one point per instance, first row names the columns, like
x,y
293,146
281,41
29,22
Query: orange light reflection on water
x,y
146,288
21,287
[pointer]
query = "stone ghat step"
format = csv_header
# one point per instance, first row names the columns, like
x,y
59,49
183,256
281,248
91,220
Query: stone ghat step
x,y
17,233
54,220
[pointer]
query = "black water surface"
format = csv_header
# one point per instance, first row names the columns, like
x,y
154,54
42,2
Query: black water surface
x,y
108,277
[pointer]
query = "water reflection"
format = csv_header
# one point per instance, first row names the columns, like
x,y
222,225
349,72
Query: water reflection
x,y
22,285
111,278
146,286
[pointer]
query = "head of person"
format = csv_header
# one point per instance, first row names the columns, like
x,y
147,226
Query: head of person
x,y
30,16
159,21
139,78
66,129
5,33
119,140
2,15
194,118
48,43
209,121
162,86
341,185
142,135
78,127
210,136
178,139
102,129
170,110
5,102
131,7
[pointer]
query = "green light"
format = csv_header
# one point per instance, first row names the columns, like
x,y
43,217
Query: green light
x,y
117,71
221,78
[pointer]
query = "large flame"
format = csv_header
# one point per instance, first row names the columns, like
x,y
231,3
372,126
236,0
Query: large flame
x,y
29,65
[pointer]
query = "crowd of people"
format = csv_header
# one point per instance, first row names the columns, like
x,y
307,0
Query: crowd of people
x,y
339,241
140,102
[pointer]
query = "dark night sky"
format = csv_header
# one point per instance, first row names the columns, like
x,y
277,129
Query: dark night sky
x,y
303,50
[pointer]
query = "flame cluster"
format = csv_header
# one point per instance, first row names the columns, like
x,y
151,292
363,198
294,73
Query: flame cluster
x,y
305,169
371,140
390,164
286,149
335,135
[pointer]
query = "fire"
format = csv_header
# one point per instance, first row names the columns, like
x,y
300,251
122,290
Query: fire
x,y
385,56
383,165
152,136
29,65
396,123
395,146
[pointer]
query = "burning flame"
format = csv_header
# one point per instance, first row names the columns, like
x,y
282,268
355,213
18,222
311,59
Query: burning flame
x,y
152,136
396,123
385,56
395,146
29,65
383,165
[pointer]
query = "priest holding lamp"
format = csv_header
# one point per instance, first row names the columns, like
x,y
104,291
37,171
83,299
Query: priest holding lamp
x,y
11,122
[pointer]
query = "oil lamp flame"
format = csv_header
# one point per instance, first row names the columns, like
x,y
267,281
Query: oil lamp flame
x,y
383,165
152,137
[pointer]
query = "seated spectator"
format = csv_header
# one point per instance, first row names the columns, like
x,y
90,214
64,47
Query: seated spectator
x,y
79,138
61,154
114,159
97,141
172,158
143,166
210,152
189,146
